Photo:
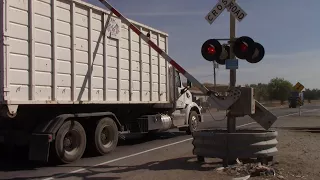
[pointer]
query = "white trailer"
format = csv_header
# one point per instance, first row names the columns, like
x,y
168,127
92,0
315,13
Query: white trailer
x,y
71,73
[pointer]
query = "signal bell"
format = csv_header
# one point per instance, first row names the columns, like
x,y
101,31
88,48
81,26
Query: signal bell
x,y
245,48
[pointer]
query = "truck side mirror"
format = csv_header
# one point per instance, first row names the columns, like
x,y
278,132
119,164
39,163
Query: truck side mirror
x,y
189,84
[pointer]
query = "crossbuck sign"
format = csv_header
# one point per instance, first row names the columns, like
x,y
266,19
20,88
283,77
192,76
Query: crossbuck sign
x,y
231,6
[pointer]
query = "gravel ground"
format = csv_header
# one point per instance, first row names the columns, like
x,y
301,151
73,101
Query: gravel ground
x,y
298,157
298,154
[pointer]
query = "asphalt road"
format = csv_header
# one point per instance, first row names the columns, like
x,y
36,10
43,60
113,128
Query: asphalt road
x,y
164,156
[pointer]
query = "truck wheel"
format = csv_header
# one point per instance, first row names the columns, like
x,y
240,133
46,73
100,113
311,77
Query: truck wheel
x,y
193,122
105,136
70,142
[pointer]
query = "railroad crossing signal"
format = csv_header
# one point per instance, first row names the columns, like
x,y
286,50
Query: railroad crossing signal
x,y
231,6
298,87
236,10
244,48
213,51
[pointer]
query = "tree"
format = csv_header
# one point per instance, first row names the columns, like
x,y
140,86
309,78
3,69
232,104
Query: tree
x,y
260,91
279,89
311,94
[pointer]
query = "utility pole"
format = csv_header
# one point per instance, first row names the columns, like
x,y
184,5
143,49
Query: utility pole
x,y
231,120
214,75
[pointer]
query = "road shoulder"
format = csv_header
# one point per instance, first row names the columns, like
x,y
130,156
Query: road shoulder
x,y
298,155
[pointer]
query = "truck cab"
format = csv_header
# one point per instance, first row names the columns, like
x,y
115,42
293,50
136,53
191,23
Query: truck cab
x,y
187,114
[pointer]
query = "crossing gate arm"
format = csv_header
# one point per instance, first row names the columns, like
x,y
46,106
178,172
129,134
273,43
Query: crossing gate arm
x,y
221,102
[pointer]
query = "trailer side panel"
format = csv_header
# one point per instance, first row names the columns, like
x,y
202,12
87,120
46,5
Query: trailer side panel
x,y
67,52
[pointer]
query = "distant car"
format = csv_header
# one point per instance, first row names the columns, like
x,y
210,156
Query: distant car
x,y
292,105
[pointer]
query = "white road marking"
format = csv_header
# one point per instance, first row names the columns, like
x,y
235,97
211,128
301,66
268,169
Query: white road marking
x,y
153,149
246,124
118,159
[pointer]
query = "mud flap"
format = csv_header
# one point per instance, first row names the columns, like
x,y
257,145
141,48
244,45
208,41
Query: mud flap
x,y
39,147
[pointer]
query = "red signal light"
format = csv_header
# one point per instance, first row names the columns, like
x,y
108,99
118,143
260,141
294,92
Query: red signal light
x,y
243,47
211,50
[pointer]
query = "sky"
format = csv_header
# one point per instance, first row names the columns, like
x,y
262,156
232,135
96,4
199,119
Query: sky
x,y
289,30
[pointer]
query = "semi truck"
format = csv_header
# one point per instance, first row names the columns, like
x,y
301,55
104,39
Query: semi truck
x,y
74,77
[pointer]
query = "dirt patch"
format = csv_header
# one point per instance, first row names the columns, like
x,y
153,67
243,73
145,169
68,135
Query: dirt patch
x,y
298,157
299,154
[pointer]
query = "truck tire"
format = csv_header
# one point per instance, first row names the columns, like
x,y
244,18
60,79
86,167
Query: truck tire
x,y
70,142
193,122
105,136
